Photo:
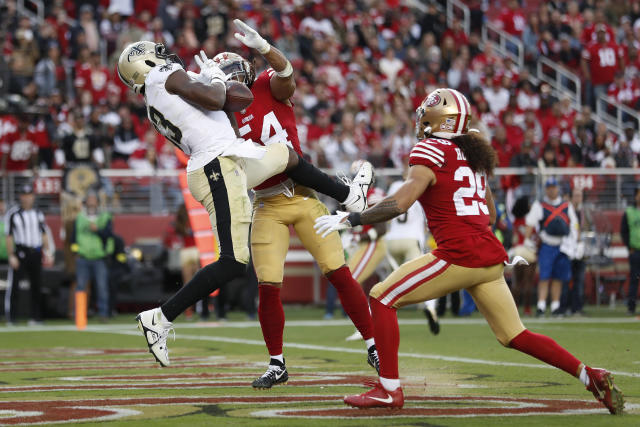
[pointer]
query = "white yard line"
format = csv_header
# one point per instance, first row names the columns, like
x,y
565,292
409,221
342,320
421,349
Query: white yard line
x,y
361,351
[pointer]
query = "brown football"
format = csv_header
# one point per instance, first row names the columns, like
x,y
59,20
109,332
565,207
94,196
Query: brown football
x,y
239,96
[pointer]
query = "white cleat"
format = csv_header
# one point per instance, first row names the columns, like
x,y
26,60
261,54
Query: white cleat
x,y
359,187
356,336
155,328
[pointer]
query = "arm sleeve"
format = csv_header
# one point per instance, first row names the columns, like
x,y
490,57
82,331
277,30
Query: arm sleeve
x,y
624,230
427,154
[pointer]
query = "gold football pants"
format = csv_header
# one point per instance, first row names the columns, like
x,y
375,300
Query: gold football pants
x,y
270,233
403,250
221,187
428,277
366,258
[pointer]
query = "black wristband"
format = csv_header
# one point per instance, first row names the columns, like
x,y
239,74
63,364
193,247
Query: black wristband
x,y
354,219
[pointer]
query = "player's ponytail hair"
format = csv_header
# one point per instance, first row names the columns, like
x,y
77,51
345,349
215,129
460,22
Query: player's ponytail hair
x,y
479,153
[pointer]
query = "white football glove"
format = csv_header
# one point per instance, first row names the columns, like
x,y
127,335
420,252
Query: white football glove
x,y
251,38
327,224
209,70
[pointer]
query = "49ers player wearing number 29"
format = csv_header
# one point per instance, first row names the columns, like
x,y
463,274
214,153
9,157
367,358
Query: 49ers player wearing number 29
x,y
279,203
448,175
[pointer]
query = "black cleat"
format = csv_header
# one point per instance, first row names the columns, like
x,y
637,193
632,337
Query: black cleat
x,y
372,358
434,324
273,376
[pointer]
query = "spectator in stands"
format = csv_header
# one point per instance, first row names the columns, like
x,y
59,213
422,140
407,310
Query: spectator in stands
x,y
601,59
632,138
49,73
80,145
92,77
4,256
91,240
497,96
18,148
89,27
630,233
126,140
526,158
569,54
557,225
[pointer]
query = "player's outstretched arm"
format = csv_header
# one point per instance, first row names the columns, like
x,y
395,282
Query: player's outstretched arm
x,y
419,179
210,97
282,82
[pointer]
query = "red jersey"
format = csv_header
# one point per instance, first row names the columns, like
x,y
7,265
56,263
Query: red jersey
x,y
19,148
94,80
267,121
604,60
513,22
628,93
456,208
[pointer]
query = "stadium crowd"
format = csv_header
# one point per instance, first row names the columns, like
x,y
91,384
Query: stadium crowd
x,y
362,67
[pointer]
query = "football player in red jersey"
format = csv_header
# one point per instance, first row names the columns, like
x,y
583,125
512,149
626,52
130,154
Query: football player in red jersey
x,y
280,203
448,175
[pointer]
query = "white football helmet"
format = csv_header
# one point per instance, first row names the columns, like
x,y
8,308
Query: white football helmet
x,y
137,59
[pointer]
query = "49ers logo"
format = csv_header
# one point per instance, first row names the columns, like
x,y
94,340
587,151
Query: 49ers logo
x,y
433,100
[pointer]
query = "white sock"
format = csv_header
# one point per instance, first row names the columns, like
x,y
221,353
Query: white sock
x,y
369,343
555,305
279,358
390,385
584,378
542,305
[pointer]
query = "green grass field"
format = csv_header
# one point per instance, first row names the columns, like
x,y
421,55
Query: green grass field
x,y
460,377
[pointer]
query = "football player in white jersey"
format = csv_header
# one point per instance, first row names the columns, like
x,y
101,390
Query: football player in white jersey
x,y
188,109
406,241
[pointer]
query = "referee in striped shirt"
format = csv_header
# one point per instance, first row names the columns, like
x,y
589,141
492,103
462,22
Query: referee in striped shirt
x,y
27,240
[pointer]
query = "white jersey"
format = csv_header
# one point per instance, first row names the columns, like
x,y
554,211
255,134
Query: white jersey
x,y
202,134
409,225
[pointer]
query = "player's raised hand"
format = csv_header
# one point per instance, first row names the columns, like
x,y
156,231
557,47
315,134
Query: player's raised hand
x,y
327,224
250,37
209,70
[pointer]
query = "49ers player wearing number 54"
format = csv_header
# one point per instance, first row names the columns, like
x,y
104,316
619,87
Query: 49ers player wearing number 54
x,y
280,203
448,175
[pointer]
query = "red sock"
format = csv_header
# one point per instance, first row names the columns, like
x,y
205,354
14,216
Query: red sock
x,y
544,348
387,337
271,316
353,300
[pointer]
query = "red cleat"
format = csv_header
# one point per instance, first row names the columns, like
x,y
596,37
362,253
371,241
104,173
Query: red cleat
x,y
602,386
377,397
